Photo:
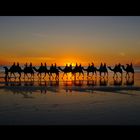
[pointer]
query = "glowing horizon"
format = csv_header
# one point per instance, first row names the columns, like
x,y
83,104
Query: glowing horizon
x,y
73,40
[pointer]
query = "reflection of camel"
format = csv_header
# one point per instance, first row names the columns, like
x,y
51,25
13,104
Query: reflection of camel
x,y
54,83
103,81
116,69
117,81
92,82
129,81
78,82
128,69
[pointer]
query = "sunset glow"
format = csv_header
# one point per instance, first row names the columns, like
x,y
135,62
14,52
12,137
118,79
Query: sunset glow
x,y
69,40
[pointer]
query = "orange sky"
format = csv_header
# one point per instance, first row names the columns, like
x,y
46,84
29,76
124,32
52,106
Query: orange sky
x,y
64,40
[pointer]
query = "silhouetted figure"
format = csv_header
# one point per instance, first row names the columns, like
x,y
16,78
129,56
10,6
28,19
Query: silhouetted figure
x,y
116,69
28,70
128,69
103,69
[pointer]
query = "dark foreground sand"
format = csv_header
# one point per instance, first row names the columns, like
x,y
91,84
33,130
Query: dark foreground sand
x,y
69,105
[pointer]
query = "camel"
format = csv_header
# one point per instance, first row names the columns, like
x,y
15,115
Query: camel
x,y
28,70
91,69
128,69
116,69
78,70
73,71
54,71
65,70
103,69
18,70
12,70
42,70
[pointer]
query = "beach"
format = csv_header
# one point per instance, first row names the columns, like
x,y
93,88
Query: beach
x,y
93,101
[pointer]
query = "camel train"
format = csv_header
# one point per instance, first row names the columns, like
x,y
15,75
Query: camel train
x,y
54,70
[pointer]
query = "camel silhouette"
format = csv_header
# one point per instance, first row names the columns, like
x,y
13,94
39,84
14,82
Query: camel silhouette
x,y
116,69
17,69
42,69
103,69
128,69
78,69
28,70
66,70
12,70
91,69
54,70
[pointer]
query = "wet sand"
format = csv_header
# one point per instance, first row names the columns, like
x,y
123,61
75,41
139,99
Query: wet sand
x,y
68,102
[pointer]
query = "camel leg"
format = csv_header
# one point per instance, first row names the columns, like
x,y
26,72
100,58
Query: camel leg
x,y
128,75
95,73
121,76
79,74
83,74
100,74
107,74
14,75
44,76
133,75
67,75
10,75
87,74
116,75
19,75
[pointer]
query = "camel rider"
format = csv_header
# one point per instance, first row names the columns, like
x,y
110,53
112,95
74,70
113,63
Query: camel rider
x,y
101,66
104,65
52,67
70,67
76,66
18,67
26,65
92,66
41,67
80,67
119,66
13,66
131,65
55,66
66,67
45,66
89,67
30,65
